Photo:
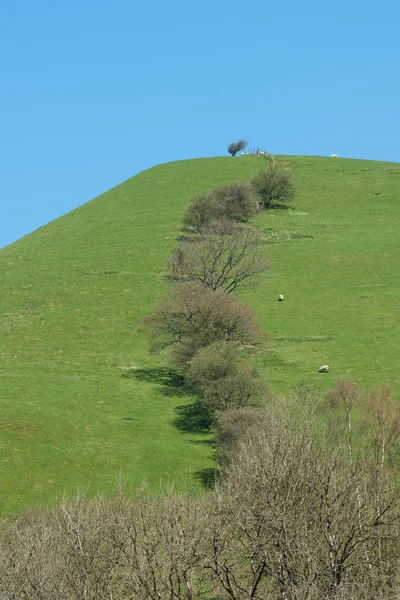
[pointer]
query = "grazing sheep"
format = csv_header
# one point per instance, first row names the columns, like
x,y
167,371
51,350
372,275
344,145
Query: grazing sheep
x,y
323,369
280,298
334,156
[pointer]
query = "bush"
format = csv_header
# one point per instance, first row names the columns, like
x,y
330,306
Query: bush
x,y
202,210
274,187
236,202
236,147
232,426
192,317
224,256
218,377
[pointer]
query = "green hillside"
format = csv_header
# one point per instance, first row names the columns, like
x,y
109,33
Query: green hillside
x,y
82,401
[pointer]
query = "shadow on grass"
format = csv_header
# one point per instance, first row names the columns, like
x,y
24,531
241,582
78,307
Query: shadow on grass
x,y
190,418
171,381
277,206
193,418
208,477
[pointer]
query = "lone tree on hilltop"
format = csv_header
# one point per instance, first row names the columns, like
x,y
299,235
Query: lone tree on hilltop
x,y
236,147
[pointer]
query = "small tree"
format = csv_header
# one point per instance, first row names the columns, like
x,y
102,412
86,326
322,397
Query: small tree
x,y
192,317
218,377
236,202
203,209
274,187
236,147
225,256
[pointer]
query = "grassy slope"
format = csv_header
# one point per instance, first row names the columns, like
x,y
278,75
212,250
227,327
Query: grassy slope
x,y
73,294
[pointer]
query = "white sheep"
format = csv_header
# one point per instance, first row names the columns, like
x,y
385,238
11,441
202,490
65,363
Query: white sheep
x,y
334,156
280,298
323,369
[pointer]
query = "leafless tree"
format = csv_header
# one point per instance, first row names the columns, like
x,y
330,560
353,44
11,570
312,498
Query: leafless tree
x,y
282,523
225,256
309,520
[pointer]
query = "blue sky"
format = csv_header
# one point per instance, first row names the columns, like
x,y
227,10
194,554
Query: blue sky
x,y
94,91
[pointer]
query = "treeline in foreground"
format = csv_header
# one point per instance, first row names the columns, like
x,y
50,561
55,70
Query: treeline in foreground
x,y
299,512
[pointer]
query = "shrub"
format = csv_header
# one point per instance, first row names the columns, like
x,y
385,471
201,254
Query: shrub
x,y
236,202
236,147
232,425
224,256
274,187
202,210
218,377
192,317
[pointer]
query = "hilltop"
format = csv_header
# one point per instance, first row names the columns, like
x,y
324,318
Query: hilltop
x,y
82,399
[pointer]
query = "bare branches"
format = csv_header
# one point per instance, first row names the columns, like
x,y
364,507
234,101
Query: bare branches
x,y
283,523
225,256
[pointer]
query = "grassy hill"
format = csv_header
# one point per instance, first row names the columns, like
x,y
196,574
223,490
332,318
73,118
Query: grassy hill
x,y
82,400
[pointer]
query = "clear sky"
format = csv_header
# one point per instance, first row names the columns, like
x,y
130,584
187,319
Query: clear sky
x,y
94,91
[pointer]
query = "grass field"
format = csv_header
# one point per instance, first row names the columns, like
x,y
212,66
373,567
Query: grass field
x,y
82,401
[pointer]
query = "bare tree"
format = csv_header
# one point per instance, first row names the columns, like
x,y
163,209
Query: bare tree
x,y
282,523
225,256
300,514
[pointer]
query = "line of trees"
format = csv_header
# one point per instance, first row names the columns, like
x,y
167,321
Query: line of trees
x,y
200,321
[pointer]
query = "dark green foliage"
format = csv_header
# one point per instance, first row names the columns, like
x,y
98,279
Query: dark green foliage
x,y
236,147
202,210
274,187
218,377
236,202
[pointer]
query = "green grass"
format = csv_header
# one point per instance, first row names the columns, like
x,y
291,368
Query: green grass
x,y
82,401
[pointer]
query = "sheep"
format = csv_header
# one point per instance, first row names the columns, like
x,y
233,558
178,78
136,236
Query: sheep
x,y
323,369
334,156
280,298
